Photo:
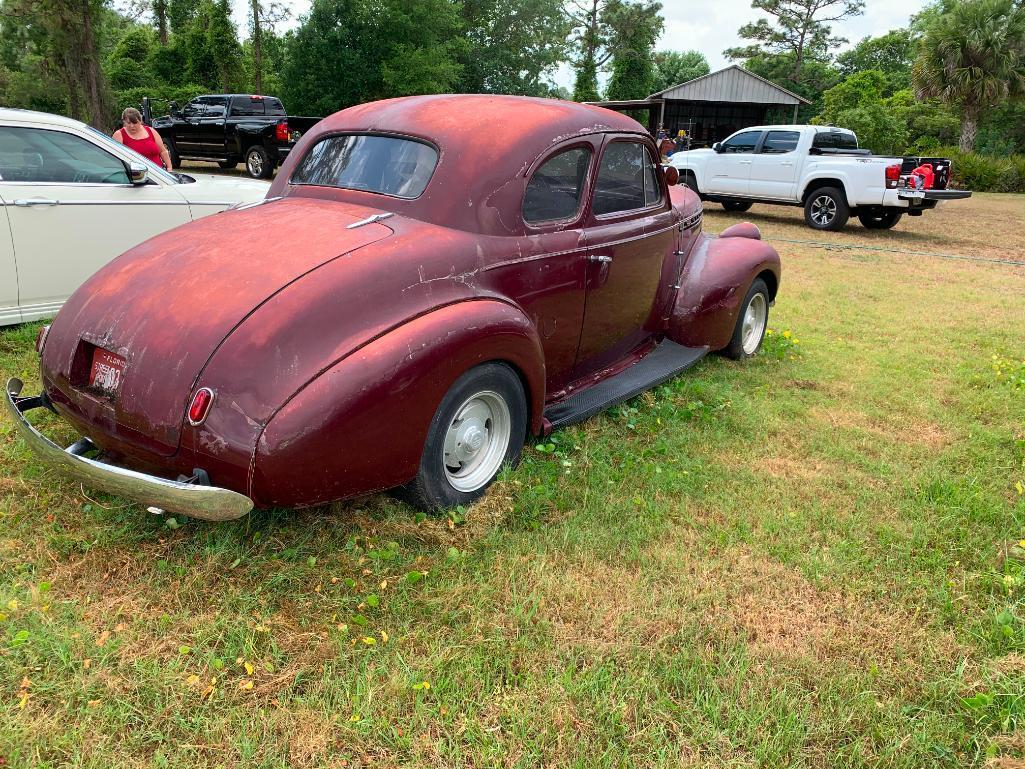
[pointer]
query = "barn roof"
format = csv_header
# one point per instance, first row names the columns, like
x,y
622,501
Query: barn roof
x,y
732,84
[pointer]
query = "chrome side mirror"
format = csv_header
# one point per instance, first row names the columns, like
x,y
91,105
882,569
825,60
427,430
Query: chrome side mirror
x,y
138,173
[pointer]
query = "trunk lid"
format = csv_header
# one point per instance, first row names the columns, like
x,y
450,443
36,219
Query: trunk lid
x,y
166,305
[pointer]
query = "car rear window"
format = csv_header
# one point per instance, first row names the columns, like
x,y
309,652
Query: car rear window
x,y
835,140
388,165
249,106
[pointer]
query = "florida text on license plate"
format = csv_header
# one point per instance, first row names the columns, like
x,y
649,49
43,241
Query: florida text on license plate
x,y
107,372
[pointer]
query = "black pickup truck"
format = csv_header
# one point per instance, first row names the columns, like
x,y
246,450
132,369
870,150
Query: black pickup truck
x,y
230,129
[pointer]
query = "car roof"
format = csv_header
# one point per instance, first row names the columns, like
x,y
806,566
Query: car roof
x,y
41,118
485,142
793,127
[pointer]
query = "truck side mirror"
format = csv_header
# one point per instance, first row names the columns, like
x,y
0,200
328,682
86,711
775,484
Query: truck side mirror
x,y
717,147
174,109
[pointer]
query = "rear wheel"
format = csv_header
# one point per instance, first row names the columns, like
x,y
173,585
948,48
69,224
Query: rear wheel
x,y
227,165
880,219
752,321
478,428
258,163
826,209
737,205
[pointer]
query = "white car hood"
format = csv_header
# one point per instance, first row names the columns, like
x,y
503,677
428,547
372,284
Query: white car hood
x,y
679,158
209,188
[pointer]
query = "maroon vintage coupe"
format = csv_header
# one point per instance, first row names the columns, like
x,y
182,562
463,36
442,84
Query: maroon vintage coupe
x,y
429,281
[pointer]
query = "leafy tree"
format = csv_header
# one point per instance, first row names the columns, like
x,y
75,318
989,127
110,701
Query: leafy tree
x,y
160,20
633,29
675,67
814,79
972,55
588,40
127,64
224,47
857,103
513,46
799,28
892,54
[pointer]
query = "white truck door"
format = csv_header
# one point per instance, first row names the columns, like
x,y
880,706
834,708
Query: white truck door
x,y
729,170
775,166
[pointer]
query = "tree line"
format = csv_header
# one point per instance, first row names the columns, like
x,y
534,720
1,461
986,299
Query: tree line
x,y
956,74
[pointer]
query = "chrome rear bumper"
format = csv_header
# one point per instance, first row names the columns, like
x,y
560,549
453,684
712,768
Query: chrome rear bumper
x,y
207,502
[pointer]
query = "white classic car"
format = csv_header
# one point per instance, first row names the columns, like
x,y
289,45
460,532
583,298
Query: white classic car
x,y
72,199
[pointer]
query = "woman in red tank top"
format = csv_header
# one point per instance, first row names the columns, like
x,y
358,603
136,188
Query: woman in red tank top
x,y
141,138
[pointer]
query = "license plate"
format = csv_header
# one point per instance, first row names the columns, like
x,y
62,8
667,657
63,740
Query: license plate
x,y
107,371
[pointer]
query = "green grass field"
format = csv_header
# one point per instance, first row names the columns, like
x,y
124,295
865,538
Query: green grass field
x,y
808,560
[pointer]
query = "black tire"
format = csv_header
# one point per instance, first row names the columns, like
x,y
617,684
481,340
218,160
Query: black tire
x,y
737,205
258,163
227,165
880,219
826,209
688,179
433,488
735,349
176,162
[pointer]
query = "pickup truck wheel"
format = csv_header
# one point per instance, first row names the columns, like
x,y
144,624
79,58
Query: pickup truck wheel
x,y
258,163
478,428
752,320
737,205
880,220
176,162
687,179
227,165
826,209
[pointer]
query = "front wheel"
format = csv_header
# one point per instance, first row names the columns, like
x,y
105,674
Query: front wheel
x,y
882,219
478,428
258,163
737,205
226,165
826,209
752,321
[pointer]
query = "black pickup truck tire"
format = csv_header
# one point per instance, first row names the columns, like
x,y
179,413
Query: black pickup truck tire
x,y
227,165
258,163
882,219
738,206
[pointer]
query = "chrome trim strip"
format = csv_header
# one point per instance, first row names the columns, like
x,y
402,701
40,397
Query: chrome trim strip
x,y
27,202
209,503
369,220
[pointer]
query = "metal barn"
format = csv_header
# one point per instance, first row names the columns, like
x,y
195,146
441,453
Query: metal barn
x,y
711,107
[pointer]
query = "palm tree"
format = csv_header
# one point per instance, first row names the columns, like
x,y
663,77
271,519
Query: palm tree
x,y
972,56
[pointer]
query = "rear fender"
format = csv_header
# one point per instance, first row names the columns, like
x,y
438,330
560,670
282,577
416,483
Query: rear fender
x,y
715,281
361,425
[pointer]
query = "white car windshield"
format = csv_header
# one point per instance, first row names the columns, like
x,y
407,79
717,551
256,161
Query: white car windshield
x,y
154,169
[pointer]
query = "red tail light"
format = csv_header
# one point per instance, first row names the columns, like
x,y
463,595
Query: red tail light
x,y
41,338
892,176
281,131
200,406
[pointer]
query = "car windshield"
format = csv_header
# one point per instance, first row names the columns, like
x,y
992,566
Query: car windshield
x,y
388,165
154,169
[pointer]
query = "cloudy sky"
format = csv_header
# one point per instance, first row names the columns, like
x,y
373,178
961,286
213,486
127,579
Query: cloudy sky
x,y
710,26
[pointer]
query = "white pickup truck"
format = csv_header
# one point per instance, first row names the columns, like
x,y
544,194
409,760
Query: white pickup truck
x,y
818,167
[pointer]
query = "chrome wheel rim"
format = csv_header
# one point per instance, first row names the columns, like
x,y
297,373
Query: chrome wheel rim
x,y
755,317
823,210
476,441
255,163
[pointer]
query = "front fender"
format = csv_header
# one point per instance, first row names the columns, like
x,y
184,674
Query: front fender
x,y
361,425
715,281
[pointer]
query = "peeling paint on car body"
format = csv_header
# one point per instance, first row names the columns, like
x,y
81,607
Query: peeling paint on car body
x,y
330,346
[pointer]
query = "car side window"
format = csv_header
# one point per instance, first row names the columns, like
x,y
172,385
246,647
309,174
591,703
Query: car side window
x,y
780,142
626,180
192,109
744,142
55,157
556,188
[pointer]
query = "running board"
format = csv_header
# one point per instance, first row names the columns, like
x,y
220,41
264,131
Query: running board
x,y
664,362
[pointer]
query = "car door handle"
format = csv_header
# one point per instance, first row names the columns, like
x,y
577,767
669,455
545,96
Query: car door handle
x,y
25,202
599,259
787,163
745,162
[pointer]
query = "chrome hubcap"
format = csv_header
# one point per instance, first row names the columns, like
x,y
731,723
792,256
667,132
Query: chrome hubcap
x,y
823,210
755,317
476,441
255,165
